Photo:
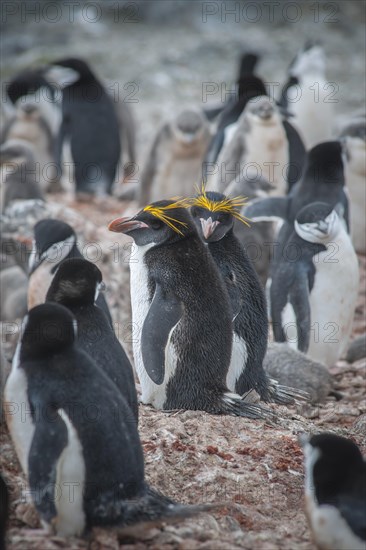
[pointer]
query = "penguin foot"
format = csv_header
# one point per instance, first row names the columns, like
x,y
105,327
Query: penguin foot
x,y
285,395
235,405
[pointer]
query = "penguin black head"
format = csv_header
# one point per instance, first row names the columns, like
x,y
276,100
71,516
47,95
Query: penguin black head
x,y
158,223
46,329
26,83
250,86
53,241
317,222
214,214
331,462
76,282
324,162
65,72
189,126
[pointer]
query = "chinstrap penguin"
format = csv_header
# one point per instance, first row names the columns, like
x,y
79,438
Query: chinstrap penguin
x,y
77,434
54,242
335,491
76,285
315,286
214,215
181,315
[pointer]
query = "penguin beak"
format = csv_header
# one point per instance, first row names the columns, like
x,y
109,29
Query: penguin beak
x,y
323,227
125,225
208,227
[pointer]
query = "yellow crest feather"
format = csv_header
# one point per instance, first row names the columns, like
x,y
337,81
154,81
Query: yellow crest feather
x,y
160,213
227,205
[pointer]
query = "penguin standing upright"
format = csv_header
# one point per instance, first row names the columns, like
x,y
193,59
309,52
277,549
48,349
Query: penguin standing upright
x,y
214,215
76,285
335,491
77,433
259,141
174,165
4,511
181,315
315,286
353,137
90,125
54,242
309,96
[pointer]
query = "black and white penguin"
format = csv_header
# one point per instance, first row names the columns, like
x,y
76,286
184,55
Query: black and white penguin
x,y
89,126
18,173
4,511
174,165
323,181
214,215
181,315
309,96
54,242
76,285
353,137
335,491
312,314
83,458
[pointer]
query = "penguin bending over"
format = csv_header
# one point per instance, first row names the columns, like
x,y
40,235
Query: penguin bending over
x,y
315,286
335,491
76,285
89,124
214,215
181,315
174,165
77,433
54,242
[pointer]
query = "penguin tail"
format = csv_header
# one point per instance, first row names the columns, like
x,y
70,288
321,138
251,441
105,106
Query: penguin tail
x,y
236,405
285,395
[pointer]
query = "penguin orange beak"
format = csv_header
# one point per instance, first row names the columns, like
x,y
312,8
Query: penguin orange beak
x,y
208,226
124,225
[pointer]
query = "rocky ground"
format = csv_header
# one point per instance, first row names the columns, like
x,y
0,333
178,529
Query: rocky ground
x,y
191,456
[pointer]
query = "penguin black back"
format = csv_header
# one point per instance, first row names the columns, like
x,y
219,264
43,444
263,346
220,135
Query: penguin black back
x,y
76,285
4,511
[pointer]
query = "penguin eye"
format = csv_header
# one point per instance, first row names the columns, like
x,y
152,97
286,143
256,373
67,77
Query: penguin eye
x,y
156,224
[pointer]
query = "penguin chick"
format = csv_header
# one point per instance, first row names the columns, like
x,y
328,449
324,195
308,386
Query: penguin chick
x,y
313,315
307,95
89,125
174,165
18,173
54,242
4,511
353,138
77,433
76,285
13,293
214,215
335,492
28,125
357,349
259,140
181,315
292,368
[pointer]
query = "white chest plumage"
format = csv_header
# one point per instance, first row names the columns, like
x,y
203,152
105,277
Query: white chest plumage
x,y
140,302
239,356
355,174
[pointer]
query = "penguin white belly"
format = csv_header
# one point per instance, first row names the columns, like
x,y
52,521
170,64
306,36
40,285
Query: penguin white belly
x,y
267,151
312,110
70,482
289,325
152,393
333,300
239,357
17,412
356,185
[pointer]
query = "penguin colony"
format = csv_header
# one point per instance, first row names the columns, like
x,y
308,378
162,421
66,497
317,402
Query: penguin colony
x,y
200,316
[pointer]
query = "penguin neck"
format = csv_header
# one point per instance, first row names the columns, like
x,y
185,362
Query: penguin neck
x,y
331,173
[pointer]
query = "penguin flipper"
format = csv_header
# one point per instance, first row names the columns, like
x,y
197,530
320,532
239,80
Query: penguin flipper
x,y
299,299
267,210
297,154
164,313
49,440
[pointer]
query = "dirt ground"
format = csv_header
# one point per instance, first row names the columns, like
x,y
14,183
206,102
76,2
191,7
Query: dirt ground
x,y
191,456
